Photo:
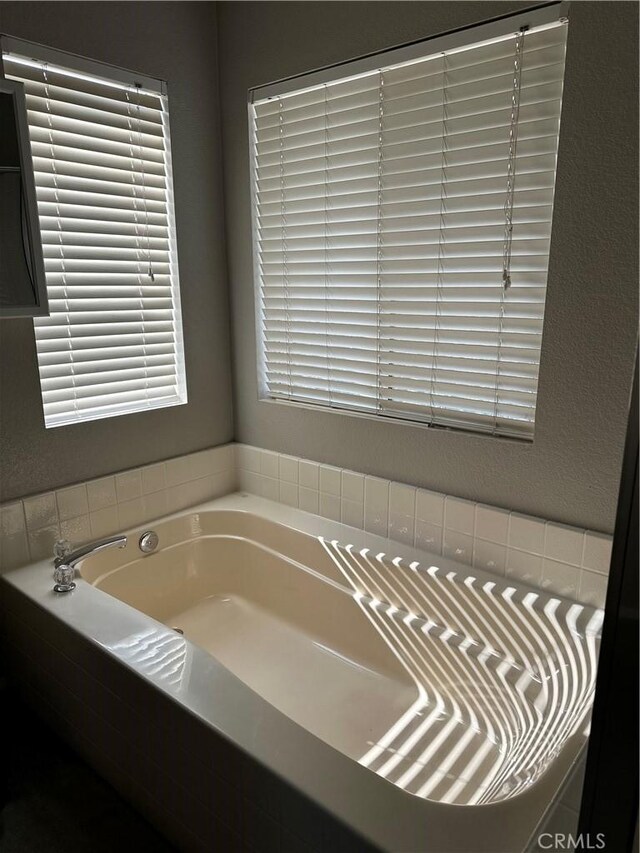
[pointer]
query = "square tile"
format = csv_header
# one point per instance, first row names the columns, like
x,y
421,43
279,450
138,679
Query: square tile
x,y
376,506
76,530
592,588
41,511
104,521
353,486
330,478
289,493
459,515
564,543
560,578
269,464
154,505
185,469
524,566
458,546
492,524
131,513
402,500
178,499
489,556
376,495
177,471
309,474
353,513
288,468
72,502
376,522
222,483
430,506
41,542
428,536
330,506
270,489
308,500
401,527
153,478
247,458
250,482
101,493
128,485
12,519
597,552
221,458
14,550
526,533
201,490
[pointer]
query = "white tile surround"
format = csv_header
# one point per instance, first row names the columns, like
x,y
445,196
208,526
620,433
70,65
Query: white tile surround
x,y
29,527
555,557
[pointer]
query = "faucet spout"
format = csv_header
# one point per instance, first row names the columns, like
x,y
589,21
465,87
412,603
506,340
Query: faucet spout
x,y
91,548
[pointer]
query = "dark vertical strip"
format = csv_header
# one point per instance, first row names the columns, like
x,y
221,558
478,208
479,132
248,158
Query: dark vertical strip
x,y
610,794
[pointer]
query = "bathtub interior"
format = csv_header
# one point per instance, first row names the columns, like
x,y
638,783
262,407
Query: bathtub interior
x,y
453,688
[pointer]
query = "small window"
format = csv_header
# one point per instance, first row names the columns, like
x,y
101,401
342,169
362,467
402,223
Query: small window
x,y
99,136
402,221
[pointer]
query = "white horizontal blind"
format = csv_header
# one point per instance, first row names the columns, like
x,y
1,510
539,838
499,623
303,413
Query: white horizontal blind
x,y
380,235
113,341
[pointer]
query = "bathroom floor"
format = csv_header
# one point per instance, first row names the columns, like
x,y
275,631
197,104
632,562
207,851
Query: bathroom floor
x,y
50,800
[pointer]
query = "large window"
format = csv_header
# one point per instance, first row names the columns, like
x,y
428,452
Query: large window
x,y
100,145
403,208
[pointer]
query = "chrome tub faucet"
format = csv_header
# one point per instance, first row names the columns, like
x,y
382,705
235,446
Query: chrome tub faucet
x,y
65,559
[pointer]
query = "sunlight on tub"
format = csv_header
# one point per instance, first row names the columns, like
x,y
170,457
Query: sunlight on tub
x,y
504,678
159,653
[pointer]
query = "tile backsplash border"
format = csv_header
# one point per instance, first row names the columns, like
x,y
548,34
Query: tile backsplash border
x,y
557,558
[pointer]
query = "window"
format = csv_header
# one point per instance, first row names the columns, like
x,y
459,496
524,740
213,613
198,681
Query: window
x,y
389,278
101,154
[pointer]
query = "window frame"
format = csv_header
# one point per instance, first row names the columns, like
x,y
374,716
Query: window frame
x,y
90,69
496,28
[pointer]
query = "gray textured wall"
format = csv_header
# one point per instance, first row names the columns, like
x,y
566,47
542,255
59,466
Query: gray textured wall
x,y
570,473
174,41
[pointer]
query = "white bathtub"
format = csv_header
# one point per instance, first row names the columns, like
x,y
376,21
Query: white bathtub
x,y
428,706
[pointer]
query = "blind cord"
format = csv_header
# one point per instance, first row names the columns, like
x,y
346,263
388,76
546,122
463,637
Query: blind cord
x,y
285,269
144,184
508,207
441,239
146,235
379,242
54,172
327,344
511,159
139,238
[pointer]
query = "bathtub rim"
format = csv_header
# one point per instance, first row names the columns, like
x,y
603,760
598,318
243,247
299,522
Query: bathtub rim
x,y
376,809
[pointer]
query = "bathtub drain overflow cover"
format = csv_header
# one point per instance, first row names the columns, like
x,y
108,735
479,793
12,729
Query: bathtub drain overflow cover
x,y
148,541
